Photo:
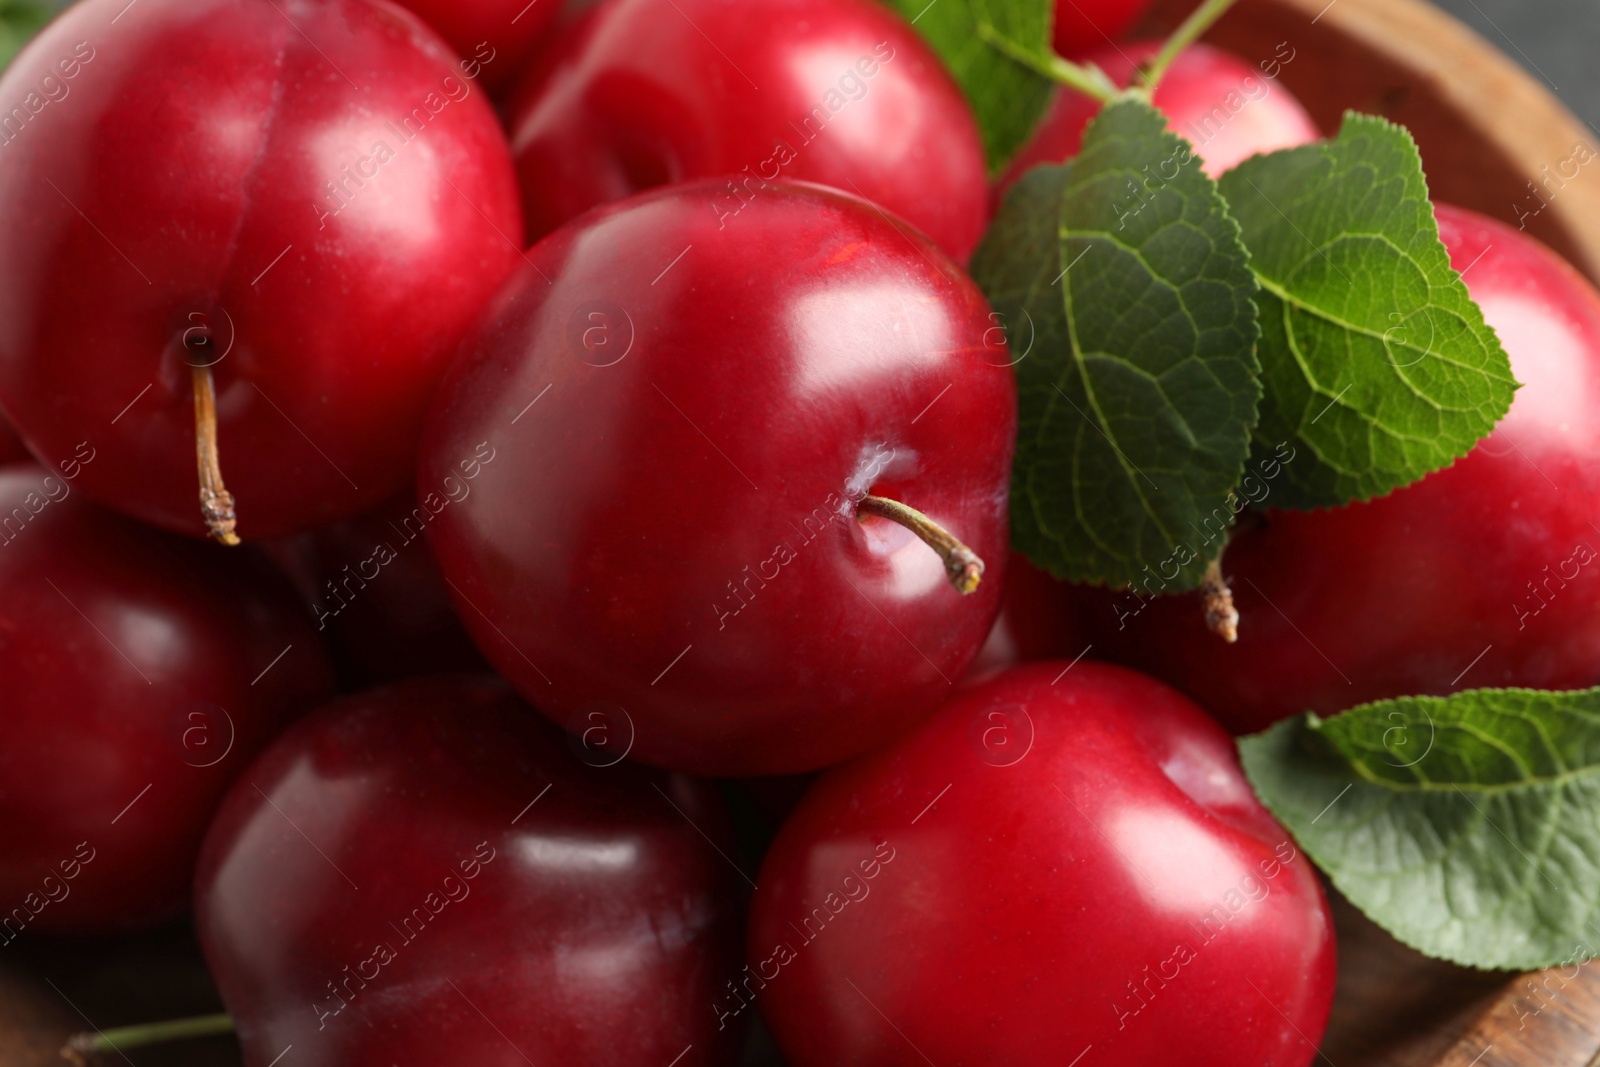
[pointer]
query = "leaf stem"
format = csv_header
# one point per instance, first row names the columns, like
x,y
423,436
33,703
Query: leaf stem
x,y
1199,21
961,565
1089,80
126,1037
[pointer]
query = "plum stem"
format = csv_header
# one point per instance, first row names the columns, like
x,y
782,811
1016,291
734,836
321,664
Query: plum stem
x,y
80,1046
961,564
216,503
1222,618
1199,21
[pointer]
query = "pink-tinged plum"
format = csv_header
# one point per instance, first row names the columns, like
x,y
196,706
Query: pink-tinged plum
x,y
639,93
302,200
1052,863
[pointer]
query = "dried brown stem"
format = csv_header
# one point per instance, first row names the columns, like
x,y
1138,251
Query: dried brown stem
x,y
961,564
1222,618
216,503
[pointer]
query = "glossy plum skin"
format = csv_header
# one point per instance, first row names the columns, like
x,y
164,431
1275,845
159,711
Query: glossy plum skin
x,y
1082,25
1483,574
494,37
377,595
180,186
142,672
640,92
684,419
466,890
1037,869
1227,109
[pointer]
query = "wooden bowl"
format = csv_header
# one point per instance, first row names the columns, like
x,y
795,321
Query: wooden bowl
x,y
1492,137
1489,134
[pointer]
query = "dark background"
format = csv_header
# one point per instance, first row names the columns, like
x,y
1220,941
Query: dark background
x,y
1555,40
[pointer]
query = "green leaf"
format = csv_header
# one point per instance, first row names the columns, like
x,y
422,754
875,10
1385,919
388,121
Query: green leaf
x,y
1028,24
19,21
1468,826
1008,97
1138,388
1374,358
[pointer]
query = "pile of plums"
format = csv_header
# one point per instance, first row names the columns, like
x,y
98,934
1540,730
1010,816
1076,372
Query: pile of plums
x,y
615,435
